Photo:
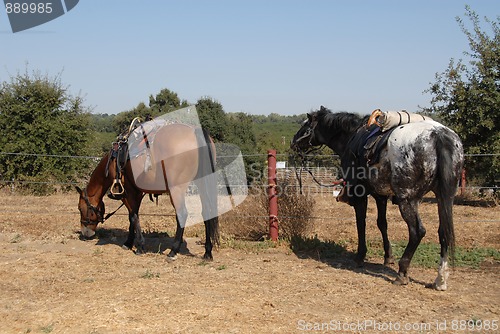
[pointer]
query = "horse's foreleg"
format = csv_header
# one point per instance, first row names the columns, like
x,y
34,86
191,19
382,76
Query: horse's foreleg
x,y
134,234
129,244
360,206
409,212
139,238
382,226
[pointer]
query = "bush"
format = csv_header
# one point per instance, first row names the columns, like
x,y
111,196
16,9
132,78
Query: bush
x,y
294,212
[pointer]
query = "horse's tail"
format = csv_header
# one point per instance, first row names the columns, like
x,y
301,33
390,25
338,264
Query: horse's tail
x,y
449,165
208,189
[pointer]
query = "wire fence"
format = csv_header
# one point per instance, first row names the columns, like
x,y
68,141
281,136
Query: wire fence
x,y
322,172
325,174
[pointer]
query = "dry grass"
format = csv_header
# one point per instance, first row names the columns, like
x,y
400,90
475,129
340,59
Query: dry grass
x,y
53,282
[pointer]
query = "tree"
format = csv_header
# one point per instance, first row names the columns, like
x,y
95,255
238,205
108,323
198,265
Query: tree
x,y
165,101
41,123
122,120
467,98
212,117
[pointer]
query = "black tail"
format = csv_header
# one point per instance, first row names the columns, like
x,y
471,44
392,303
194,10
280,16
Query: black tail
x,y
449,166
208,184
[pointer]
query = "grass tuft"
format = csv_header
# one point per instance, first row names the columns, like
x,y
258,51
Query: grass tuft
x,y
150,275
427,254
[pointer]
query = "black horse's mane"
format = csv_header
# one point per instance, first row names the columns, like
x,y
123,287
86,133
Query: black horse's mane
x,y
346,121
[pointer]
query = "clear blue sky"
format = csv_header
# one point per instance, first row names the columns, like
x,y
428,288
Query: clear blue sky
x,y
259,57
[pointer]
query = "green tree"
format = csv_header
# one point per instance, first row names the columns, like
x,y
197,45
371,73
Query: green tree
x,y
122,120
41,123
212,117
467,98
165,101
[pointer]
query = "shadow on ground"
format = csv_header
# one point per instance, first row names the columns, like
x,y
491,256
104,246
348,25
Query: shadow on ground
x,y
337,256
159,243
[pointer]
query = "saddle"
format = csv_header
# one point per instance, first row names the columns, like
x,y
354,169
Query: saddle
x,y
374,143
119,154
365,146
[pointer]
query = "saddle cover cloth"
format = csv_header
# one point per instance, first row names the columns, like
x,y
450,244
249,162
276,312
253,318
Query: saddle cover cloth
x,y
137,139
391,119
146,167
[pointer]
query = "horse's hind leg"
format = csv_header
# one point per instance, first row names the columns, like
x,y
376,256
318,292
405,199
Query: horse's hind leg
x,y
382,226
446,239
207,187
177,196
176,247
208,242
409,212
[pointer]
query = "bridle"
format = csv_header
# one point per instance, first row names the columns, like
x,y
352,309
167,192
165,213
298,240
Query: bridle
x,y
98,212
310,149
305,156
91,208
307,134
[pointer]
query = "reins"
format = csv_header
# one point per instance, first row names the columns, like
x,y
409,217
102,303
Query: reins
x,y
311,150
302,167
112,213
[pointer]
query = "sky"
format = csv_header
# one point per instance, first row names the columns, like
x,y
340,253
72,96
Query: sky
x,y
259,57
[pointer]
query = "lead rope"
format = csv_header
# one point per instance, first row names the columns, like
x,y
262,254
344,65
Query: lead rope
x,y
299,175
112,213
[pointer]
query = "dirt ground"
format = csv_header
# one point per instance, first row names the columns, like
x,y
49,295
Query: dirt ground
x,y
53,282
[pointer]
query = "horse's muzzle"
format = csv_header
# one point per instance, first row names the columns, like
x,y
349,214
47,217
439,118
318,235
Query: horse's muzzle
x,y
87,231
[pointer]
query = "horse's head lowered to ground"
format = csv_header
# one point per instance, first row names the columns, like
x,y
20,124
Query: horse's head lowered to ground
x,y
90,215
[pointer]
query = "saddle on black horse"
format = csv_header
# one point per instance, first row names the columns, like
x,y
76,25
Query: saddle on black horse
x,y
364,148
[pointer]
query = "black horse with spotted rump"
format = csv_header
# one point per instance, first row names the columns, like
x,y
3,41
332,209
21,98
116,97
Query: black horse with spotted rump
x,y
417,158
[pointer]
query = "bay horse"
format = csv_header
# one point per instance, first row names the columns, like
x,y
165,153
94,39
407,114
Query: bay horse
x,y
187,151
417,158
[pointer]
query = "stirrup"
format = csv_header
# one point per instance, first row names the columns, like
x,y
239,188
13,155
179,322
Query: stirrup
x,y
117,188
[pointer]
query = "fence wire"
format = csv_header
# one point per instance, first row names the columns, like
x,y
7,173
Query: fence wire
x,y
262,187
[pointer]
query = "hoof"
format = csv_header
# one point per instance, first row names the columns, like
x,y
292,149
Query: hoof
x,y
172,256
208,257
125,247
388,261
401,280
438,287
139,251
359,262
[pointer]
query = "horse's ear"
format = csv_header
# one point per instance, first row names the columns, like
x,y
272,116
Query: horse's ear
x,y
311,116
78,189
322,108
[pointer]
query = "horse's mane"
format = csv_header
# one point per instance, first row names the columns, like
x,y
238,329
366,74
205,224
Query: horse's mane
x,y
348,122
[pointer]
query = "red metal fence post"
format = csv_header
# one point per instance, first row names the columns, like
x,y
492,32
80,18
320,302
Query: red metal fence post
x,y
463,182
273,198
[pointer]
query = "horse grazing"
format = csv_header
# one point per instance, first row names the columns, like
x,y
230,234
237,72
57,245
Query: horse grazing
x,y
417,158
189,155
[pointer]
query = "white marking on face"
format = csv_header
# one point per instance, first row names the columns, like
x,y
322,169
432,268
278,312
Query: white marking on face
x,y
87,232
